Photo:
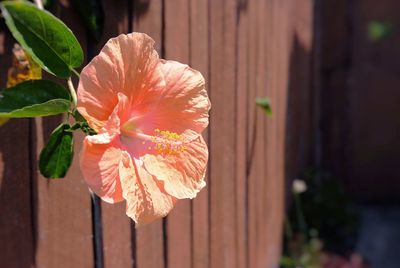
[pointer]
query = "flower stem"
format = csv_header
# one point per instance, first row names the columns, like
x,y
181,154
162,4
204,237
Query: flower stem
x,y
76,73
288,229
300,215
73,92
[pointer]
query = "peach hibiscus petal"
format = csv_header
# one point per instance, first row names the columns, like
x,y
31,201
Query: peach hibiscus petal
x,y
146,199
101,155
127,64
184,105
111,128
183,173
99,165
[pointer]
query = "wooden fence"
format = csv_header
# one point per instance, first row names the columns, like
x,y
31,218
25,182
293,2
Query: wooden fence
x,y
245,49
360,96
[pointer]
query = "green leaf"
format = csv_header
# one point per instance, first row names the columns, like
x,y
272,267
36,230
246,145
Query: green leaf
x,y
287,262
34,98
82,124
92,14
50,42
378,30
56,157
78,117
265,104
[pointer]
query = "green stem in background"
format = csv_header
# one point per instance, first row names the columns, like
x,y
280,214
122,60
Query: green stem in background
x,y
288,229
39,4
300,215
76,73
73,92
301,222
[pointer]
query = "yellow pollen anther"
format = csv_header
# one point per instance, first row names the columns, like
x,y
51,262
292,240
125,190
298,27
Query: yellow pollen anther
x,y
168,143
164,142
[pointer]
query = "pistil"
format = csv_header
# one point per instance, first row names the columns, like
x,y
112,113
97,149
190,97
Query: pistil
x,y
163,142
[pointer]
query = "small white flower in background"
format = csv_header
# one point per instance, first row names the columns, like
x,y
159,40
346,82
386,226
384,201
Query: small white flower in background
x,y
299,186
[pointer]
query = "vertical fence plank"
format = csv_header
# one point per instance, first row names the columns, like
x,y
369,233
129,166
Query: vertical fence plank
x,y
299,153
16,230
147,18
199,60
264,225
373,114
222,132
63,214
256,138
335,61
270,44
242,98
279,34
63,209
277,74
176,46
118,245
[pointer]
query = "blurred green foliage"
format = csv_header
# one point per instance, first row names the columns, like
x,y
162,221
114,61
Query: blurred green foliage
x,y
378,30
92,14
328,212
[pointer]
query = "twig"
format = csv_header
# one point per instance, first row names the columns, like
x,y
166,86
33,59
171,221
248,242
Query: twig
x,y
72,91
76,73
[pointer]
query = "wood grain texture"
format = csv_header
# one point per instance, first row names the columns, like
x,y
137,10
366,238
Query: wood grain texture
x,y
242,124
199,59
256,117
117,236
244,49
222,133
300,139
264,226
277,59
147,18
179,221
118,231
258,163
63,214
16,219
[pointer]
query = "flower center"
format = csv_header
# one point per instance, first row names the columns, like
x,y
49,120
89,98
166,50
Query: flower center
x,y
164,142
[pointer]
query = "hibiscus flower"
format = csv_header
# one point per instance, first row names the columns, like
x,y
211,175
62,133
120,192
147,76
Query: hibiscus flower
x,y
148,114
